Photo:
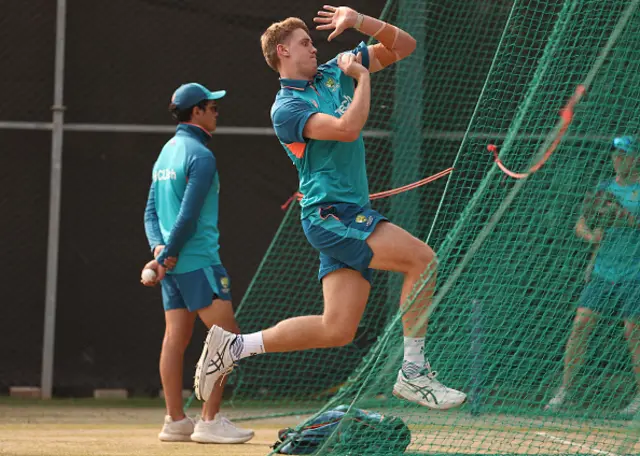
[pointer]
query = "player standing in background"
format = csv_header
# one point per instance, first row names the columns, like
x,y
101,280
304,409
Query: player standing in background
x,y
318,116
181,223
613,286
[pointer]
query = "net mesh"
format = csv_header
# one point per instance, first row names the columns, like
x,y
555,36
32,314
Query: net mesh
x,y
511,268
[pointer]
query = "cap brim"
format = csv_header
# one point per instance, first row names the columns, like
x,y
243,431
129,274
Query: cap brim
x,y
216,95
625,146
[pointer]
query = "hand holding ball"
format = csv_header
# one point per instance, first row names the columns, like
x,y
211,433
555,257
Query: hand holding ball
x,y
152,272
148,275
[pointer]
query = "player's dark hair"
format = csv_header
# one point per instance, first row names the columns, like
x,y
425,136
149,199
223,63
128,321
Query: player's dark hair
x,y
184,115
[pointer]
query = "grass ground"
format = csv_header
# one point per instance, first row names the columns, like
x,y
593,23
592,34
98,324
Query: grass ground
x,y
89,427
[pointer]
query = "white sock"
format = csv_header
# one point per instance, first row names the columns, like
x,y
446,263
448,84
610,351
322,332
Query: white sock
x,y
414,350
247,345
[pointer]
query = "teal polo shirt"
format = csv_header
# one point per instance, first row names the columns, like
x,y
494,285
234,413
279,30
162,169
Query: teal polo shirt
x,y
328,171
618,257
182,207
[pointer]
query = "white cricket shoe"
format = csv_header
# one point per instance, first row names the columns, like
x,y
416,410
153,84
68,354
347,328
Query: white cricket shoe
x,y
633,408
557,401
215,361
220,430
176,431
426,390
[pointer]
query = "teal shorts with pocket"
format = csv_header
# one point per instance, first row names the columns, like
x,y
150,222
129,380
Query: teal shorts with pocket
x,y
339,232
197,289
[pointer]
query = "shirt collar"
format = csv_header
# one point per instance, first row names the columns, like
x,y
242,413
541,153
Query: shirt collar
x,y
298,84
295,84
193,130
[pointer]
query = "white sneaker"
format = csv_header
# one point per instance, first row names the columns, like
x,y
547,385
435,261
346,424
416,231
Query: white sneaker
x,y
426,390
633,408
220,430
558,400
176,431
215,361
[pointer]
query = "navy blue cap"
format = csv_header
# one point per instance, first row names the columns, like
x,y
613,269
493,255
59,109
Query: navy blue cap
x,y
627,144
188,95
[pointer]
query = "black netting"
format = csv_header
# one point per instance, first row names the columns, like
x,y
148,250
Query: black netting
x,y
24,205
26,59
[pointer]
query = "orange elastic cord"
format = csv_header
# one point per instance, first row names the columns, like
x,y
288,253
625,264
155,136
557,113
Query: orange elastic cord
x,y
296,195
386,193
406,188
566,114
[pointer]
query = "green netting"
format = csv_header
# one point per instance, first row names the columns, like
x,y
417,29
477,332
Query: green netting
x,y
511,266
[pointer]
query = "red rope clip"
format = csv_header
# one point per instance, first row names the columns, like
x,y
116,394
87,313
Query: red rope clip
x,y
566,114
386,193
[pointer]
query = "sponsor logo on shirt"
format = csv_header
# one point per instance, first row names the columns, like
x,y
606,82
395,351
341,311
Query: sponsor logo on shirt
x,y
360,218
346,101
164,174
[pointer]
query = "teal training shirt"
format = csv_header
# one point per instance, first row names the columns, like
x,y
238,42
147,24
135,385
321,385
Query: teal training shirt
x,y
182,208
329,171
618,257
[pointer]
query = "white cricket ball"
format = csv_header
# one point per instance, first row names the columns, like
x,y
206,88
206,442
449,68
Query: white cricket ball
x,y
148,275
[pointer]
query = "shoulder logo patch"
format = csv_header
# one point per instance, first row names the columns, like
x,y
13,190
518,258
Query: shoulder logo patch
x,y
331,84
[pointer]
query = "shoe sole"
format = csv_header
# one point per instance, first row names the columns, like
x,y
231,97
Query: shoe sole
x,y
218,439
448,406
174,437
197,384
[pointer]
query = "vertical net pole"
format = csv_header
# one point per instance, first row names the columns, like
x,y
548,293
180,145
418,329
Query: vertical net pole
x,y
408,124
46,382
